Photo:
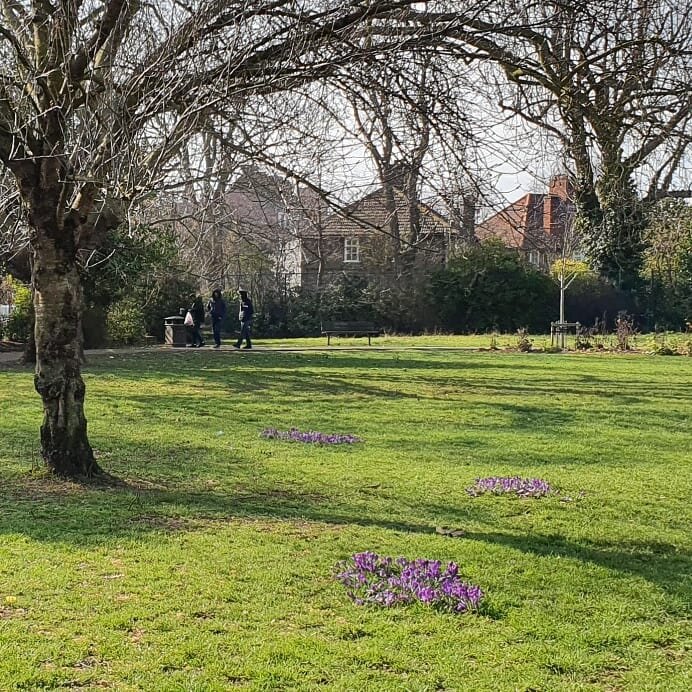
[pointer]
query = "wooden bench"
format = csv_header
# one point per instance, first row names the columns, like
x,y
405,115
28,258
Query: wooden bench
x,y
558,331
350,329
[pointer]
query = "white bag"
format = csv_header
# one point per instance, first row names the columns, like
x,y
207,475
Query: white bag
x,y
189,322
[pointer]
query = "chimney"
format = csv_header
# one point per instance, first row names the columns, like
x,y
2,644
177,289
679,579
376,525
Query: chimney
x,y
561,186
555,204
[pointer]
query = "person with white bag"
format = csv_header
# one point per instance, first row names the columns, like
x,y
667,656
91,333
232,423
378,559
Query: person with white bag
x,y
193,322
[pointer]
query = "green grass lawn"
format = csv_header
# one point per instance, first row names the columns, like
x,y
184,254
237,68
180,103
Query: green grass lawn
x,y
209,567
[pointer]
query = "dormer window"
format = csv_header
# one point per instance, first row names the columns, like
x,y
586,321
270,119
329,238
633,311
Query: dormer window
x,y
351,250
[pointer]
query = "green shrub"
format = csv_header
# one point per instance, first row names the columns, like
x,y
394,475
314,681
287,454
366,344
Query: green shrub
x,y
590,300
291,314
492,288
668,266
165,298
125,323
20,322
94,326
141,271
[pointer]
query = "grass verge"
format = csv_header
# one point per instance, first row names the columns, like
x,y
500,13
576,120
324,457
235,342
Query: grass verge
x,y
209,566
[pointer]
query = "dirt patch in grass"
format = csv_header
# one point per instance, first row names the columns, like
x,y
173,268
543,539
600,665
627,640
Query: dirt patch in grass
x,y
44,486
610,678
282,496
285,527
88,663
302,529
41,487
10,612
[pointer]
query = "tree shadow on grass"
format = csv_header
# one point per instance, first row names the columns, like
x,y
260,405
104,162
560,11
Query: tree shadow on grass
x,y
327,375
107,510
663,564
46,511
210,364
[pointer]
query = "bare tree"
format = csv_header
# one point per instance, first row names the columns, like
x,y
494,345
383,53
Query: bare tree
x,y
409,116
96,102
14,237
610,81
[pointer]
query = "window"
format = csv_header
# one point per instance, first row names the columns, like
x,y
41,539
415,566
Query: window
x,y
351,250
535,258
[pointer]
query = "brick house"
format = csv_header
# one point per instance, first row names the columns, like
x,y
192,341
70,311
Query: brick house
x,y
536,224
259,215
361,239
304,243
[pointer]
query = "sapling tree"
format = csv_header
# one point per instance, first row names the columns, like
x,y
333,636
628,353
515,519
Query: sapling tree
x,y
565,271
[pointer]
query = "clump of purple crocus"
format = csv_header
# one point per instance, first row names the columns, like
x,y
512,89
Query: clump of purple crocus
x,y
512,485
295,435
384,581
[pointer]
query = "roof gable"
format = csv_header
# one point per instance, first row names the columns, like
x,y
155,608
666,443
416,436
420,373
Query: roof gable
x,y
370,213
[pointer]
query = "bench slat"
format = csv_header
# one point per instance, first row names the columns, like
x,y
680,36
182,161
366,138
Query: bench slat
x,y
355,328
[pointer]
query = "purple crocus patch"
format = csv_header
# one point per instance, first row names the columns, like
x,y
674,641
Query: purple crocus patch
x,y
311,436
510,485
385,581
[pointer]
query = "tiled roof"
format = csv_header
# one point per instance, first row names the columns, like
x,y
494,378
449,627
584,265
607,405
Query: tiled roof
x,y
536,221
370,214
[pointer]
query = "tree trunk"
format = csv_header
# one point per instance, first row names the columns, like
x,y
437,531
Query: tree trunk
x,y
393,225
58,333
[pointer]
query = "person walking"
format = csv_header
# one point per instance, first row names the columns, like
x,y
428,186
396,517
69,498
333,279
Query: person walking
x,y
197,313
245,316
216,307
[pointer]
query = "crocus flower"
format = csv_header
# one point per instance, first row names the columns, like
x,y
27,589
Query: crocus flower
x,y
311,436
370,578
512,485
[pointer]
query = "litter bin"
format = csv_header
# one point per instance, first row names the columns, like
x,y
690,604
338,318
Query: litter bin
x,y
176,334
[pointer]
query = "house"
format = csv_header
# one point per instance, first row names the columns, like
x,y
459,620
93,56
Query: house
x,y
304,243
381,234
258,215
535,225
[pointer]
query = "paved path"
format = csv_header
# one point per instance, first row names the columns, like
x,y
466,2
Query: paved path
x,y
10,356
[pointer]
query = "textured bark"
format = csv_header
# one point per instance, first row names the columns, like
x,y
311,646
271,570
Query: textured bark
x,y
58,333
393,226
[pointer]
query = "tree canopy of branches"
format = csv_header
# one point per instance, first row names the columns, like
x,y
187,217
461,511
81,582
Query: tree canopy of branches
x,y
98,99
407,115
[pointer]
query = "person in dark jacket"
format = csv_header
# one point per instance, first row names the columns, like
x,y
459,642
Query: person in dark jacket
x,y
217,309
197,312
245,314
